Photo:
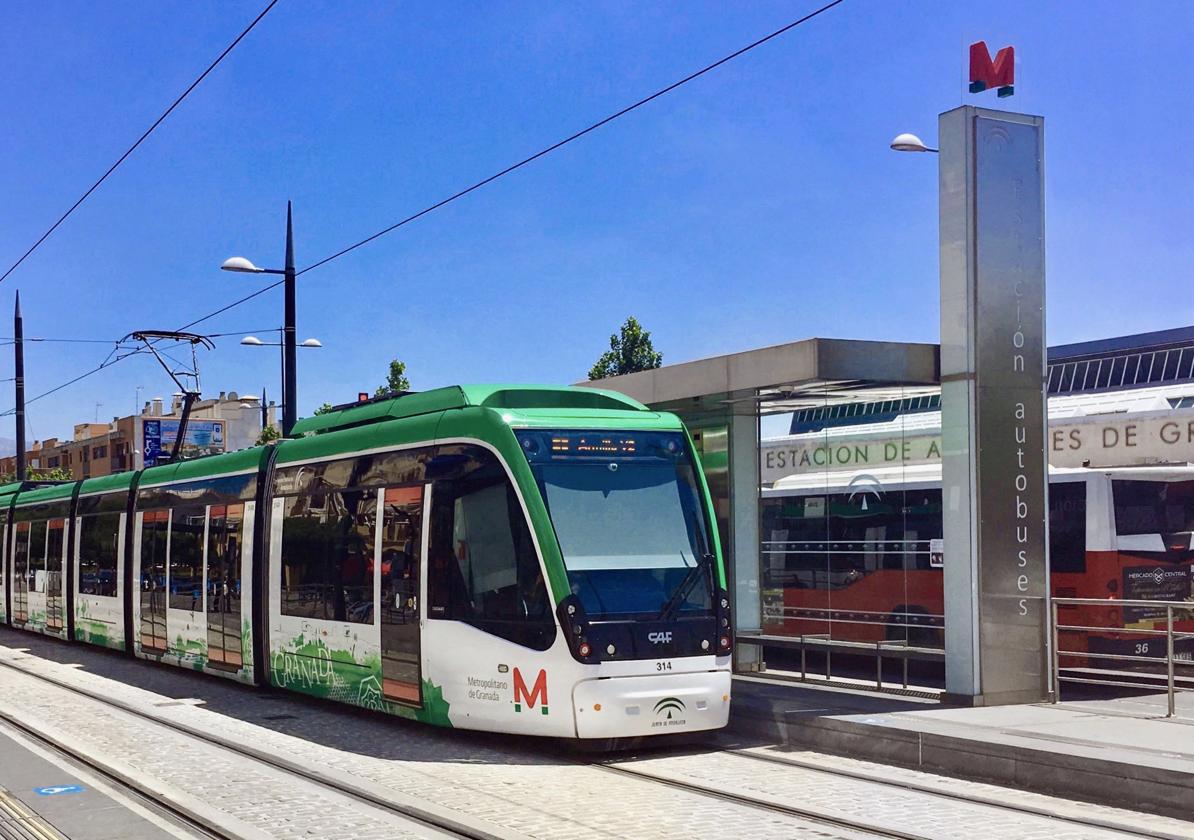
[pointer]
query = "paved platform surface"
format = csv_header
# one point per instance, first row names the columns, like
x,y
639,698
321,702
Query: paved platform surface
x,y
1120,751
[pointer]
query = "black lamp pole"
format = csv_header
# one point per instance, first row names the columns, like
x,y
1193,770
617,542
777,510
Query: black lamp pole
x,y
18,334
289,348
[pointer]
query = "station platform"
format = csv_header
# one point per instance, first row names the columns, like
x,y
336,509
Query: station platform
x,y
1120,751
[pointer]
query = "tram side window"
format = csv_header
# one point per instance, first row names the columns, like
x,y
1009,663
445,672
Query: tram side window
x,y
1067,527
328,542
55,544
155,526
98,539
186,559
37,556
20,556
483,568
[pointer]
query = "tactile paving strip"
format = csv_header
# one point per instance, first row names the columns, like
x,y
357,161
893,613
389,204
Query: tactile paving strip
x,y
18,822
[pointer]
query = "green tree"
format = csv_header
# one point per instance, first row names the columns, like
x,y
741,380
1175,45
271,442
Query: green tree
x,y
396,381
324,409
629,352
269,433
56,474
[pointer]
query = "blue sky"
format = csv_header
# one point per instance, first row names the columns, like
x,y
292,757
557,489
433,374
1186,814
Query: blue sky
x,y
757,205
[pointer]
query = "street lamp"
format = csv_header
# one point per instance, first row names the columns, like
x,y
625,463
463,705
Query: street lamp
x,y
254,341
289,360
901,143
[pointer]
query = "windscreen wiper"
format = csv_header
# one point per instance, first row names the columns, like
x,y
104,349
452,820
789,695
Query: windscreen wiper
x,y
681,593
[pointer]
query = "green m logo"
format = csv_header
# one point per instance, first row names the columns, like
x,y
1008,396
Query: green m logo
x,y
669,705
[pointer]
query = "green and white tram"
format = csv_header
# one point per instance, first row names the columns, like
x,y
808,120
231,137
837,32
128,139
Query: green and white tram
x,y
507,558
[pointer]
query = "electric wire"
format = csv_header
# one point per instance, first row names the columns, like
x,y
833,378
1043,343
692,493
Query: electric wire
x,y
8,340
455,196
140,139
605,121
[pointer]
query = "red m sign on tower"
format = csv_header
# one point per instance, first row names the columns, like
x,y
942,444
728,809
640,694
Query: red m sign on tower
x,y
1000,73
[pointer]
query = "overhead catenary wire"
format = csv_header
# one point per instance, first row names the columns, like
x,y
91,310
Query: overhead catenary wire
x,y
111,360
140,139
572,137
476,186
10,340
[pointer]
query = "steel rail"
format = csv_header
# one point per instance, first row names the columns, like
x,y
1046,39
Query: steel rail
x,y
137,791
810,814
1032,810
414,813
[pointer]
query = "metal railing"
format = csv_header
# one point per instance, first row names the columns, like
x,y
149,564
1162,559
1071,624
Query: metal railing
x,y
839,623
1174,611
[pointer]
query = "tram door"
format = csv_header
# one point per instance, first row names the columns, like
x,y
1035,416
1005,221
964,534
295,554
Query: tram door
x,y
55,563
35,575
20,572
401,558
224,535
155,543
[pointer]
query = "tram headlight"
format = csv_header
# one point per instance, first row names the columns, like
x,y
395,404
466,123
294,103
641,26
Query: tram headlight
x,y
584,649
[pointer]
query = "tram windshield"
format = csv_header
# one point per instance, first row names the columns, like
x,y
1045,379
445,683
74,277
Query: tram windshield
x,y
627,511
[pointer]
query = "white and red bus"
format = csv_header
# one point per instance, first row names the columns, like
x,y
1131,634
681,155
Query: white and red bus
x,y
857,554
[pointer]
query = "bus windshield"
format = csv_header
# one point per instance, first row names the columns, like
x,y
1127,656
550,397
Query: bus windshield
x,y
627,513
1153,507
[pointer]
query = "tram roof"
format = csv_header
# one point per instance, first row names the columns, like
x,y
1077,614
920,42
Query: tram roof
x,y
227,463
52,493
512,397
120,481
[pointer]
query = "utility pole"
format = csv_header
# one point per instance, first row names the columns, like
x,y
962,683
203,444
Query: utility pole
x,y
290,364
18,334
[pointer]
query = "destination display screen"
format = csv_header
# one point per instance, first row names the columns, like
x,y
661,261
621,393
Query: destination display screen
x,y
581,445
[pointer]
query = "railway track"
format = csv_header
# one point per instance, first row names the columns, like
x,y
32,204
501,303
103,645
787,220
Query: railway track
x,y
185,821
1101,826
817,817
1100,823
653,769
427,822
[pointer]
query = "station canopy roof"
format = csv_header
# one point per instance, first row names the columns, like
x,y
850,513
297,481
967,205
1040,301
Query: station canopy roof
x,y
786,377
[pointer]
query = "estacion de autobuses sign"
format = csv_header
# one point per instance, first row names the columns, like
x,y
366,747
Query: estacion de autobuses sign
x,y
1096,441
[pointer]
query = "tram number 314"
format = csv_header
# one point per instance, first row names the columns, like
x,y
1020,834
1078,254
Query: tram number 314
x,y
663,666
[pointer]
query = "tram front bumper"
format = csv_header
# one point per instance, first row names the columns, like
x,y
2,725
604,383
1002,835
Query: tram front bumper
x,y
620,707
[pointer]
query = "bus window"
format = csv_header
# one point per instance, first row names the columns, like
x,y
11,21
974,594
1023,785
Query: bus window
x,y
1067,527
1153,507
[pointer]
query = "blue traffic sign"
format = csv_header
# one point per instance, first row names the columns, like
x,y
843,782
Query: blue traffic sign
x,y
57,789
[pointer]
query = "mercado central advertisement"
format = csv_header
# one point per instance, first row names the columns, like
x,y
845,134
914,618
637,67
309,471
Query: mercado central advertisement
x,y
1163,437
203,437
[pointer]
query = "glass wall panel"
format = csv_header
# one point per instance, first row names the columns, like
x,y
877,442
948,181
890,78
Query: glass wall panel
x,y
851,526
